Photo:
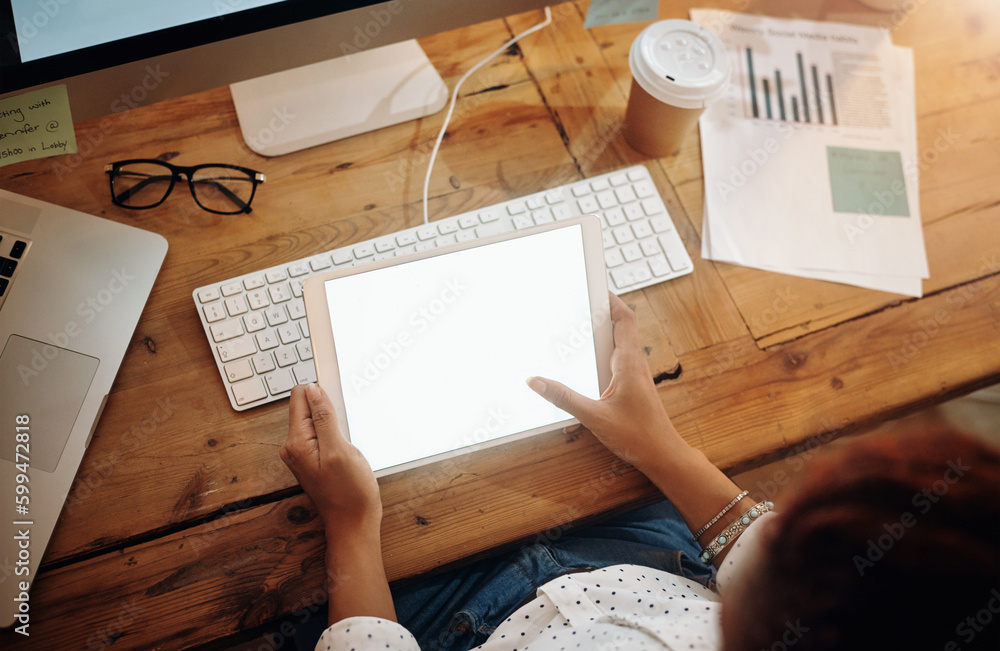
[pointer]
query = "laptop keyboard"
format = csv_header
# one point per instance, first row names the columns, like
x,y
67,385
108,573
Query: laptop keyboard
x,y
12,252
256,325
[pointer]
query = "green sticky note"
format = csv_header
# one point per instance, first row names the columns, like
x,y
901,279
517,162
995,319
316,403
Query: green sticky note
x,y
35,125
613,12
867,182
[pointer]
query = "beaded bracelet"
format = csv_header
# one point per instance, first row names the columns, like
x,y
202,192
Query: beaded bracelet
x,y
721,513
733,531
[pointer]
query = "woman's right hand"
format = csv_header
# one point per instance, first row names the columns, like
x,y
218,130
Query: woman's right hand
x,y
629,418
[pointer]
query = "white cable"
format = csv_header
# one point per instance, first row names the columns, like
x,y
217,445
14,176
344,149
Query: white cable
x,y
454,98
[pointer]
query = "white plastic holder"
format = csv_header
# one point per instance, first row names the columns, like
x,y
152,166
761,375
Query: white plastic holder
x,y
322,102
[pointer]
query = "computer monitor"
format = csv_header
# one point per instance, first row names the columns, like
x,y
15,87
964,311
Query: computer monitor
x,y
114,55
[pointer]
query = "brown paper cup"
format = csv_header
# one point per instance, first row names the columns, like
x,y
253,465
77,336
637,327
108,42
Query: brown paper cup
x,y
678,69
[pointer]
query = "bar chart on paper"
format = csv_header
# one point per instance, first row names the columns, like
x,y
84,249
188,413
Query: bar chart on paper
x,y
790,90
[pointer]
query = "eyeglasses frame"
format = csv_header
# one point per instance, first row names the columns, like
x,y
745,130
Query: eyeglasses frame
x,y
255,177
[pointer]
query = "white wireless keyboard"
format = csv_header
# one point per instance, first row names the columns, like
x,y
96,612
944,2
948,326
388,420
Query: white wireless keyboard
x,y
256,322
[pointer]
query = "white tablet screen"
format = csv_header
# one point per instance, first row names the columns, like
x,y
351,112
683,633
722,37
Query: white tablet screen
x,y
433,354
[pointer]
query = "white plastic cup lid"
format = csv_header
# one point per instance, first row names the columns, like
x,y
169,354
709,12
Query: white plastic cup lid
x,y
680,63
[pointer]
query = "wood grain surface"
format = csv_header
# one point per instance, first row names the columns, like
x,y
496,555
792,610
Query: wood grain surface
x,y
184,527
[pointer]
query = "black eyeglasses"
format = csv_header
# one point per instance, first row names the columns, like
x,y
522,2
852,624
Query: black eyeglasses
x,y
146,183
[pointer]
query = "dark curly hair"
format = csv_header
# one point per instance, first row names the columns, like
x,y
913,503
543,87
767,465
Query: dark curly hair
x,y
891,542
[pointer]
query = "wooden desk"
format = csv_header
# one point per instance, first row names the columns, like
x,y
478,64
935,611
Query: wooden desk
x,y
183,525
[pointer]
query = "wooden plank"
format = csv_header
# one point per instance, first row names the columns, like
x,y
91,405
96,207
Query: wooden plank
x,y
252,565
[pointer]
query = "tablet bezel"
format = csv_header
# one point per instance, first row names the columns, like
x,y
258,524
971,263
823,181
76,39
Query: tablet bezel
x,y
324,346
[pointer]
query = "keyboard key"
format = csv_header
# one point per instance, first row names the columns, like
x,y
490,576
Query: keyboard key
x,y
364,251
296,309
286,356
599,185
384,245
607,200
658,264
554,196
258,299
320,263
516,208
425,233
618,179
305,373
676,254
613,258
280,293
214,312
445,240
240,370
609,239
587,205
625,194
288,333
236,348
633,211
581,190
630,276
650,247
447,227
305,350
342,257
226,330
465,236
249,391
254,321
523,221
487,216
661,224
263,363
489,229
535,202
641,230
652,207
297,269
645,189
542,217
623,234
561,211
266,340
276,315
236,305
3,285
614,217
636,175
279,382
17,250
230,289
406,239
208,294
253,282
468,221
631,252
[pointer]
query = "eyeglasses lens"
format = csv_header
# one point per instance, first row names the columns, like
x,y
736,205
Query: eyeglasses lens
x,y
141,185
222,189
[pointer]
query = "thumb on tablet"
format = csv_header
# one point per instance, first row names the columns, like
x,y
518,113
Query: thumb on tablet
x,y
562,396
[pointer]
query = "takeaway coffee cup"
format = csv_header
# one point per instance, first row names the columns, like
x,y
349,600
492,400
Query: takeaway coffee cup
x,y
678,68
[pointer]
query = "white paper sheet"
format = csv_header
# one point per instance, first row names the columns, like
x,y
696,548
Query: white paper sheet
x,y
811,169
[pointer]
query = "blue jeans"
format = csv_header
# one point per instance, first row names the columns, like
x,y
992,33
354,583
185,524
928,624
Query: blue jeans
x,y
460,609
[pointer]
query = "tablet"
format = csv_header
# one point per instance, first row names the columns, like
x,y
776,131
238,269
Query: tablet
x,y
426,356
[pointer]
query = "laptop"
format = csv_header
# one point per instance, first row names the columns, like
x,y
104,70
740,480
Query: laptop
x,y
426,356
73,288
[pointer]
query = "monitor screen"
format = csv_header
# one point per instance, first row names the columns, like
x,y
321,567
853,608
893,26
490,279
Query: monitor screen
x,y
103,49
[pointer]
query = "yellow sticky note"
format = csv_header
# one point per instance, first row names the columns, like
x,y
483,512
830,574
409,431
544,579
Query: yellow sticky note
x,y
36,125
